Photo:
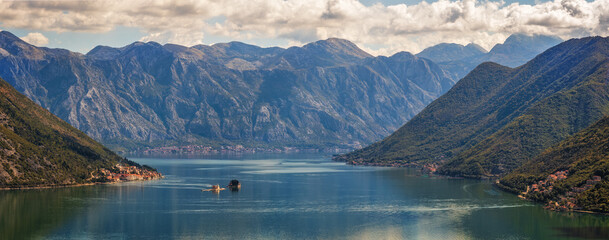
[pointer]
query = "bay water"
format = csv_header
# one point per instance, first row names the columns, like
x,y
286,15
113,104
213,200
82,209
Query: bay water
x,y
285,196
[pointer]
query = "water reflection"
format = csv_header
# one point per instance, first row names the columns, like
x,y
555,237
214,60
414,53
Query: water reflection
x,y
584,232
27,214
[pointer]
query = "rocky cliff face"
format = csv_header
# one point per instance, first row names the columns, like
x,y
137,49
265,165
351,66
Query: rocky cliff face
x,y
324,93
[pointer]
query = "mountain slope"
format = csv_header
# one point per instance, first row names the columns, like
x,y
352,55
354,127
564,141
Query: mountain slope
x,y
570,93
326,93
516,50
39,149
497,118
584,156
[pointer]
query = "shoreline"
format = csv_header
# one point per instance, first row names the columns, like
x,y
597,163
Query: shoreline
x,y
591,212
74,185
495,181
425,168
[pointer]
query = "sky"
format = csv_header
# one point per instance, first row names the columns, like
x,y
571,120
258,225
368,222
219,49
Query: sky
x,y
380,27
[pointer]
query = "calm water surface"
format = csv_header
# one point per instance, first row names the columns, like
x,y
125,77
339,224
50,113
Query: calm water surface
x,y
286,196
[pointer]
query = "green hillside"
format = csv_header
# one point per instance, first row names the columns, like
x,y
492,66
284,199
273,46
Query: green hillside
x,y
580,76
39,149
497,118
584,155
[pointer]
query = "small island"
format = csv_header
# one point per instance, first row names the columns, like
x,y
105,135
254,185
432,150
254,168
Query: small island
x,y
234,185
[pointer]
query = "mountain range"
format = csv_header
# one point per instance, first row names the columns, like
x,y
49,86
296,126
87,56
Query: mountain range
x,y
497,118
326,93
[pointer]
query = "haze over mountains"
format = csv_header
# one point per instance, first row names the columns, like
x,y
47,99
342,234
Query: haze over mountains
x,y
517,49
498,118
326,93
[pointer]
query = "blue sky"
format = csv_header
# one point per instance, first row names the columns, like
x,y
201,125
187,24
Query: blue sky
x,y
381,27
85,41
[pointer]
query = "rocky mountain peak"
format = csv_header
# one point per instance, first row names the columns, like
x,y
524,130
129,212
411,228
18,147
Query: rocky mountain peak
x,y
8,37
403,56
330,52
475,47
337,46
184,52
103,53
237,46
15,46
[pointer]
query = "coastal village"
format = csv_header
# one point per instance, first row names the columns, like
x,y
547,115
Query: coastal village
x,y
239,149
566,202
125,173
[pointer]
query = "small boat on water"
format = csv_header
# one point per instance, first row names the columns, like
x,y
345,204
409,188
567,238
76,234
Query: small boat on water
x,y
214,188
233,185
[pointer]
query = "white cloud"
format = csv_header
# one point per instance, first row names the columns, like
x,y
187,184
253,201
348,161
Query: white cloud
x,y
36,39
378,28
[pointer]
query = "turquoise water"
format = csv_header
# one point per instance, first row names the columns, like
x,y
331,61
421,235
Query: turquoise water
x,y
286,196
